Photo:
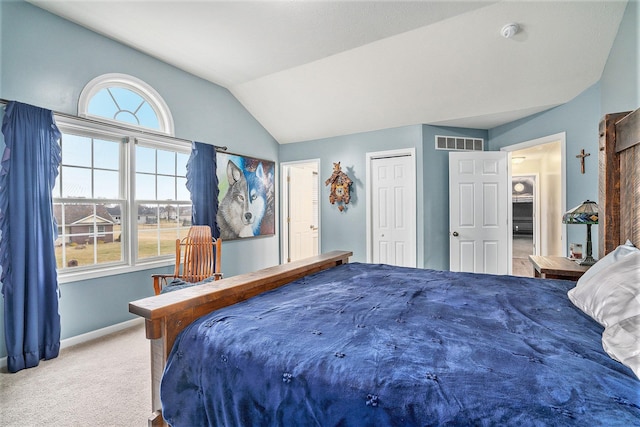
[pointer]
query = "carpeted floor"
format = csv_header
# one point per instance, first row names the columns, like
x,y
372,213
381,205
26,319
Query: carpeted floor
x,y
105,382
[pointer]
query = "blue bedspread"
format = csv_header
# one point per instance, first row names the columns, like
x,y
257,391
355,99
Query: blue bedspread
x,y
375,345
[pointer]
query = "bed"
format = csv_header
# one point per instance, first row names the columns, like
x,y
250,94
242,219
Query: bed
x,y
393,346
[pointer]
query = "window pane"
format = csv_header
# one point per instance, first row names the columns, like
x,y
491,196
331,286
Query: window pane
x,y
164,182
183,193
88,234
182,160
77,254
102,105
148,117
108,249
118,97
126,99
106,184
158,228
169,230
169,214
167,245
185,216
106,154
166,162
145,186
145,159
125,105
166,188
147,243
76,150
147,231
76,182
127,117
147,216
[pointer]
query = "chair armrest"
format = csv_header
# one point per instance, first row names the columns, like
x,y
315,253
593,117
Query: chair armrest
x,y
160,280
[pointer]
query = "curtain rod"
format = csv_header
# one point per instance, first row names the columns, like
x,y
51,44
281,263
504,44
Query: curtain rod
x,y
144,132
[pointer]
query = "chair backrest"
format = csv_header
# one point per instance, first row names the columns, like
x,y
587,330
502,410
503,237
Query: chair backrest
x,y
198,255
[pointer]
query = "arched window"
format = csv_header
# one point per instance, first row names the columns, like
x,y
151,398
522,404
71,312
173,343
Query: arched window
x,y
125,99
120,206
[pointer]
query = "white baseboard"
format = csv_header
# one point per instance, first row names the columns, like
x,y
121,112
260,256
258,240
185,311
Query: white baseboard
x,y
78,339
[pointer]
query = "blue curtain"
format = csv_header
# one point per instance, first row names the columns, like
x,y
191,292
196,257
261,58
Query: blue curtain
x,y
202,183
27,257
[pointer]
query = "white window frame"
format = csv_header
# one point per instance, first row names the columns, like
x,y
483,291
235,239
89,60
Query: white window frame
x,y
130,262
157,144
153,98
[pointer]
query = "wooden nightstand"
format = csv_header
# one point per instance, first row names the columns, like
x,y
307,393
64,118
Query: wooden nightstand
x,y
556,267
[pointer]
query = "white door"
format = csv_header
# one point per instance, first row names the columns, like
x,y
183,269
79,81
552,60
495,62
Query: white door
x,y
301,228
393,210
479,212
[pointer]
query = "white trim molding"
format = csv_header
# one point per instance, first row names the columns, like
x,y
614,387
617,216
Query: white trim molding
x,y
562,138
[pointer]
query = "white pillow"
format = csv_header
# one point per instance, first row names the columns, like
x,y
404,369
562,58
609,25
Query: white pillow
x,y
622,342
619,252
611,294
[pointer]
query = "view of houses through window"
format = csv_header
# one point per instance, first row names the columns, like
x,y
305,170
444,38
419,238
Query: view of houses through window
x,y
120,198
161,178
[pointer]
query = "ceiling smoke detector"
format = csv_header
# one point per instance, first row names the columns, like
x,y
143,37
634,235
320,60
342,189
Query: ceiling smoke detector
x,y
509,30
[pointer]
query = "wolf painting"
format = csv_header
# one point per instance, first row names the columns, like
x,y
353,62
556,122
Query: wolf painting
x,y
246,205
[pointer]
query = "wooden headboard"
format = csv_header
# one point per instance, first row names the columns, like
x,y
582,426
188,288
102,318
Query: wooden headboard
x,y
619,191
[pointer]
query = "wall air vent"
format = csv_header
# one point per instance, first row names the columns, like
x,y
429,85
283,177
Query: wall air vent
x,y
458,143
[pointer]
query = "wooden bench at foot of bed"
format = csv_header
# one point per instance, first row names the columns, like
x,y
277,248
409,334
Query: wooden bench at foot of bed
x,y
166,315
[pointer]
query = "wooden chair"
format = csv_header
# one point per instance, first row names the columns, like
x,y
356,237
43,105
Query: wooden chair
x,y
197,257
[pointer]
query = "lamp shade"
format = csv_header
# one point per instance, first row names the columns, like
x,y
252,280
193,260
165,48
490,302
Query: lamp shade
x,y
586,213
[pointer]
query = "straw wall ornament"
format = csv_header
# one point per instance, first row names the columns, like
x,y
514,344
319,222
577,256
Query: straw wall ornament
x,y
340,187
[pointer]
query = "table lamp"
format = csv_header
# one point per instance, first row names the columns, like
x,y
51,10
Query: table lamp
x,y
586,213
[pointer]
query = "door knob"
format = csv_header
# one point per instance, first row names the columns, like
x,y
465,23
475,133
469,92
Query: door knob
x,y
455,234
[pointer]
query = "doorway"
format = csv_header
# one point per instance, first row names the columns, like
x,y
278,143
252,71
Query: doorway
x,y
301,222
543,159
525,227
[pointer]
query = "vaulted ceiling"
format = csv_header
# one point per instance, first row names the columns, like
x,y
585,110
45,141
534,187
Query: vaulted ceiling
x,y
314,69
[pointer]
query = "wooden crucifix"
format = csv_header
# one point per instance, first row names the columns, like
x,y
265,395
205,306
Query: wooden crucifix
x,y
581,156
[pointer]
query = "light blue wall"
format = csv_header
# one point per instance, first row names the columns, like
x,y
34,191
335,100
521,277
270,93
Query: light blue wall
x,y
436,194
620,82
579,118
618,90
346,230
46,61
